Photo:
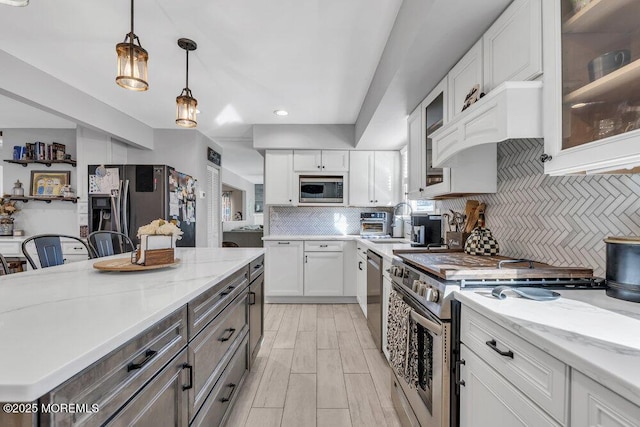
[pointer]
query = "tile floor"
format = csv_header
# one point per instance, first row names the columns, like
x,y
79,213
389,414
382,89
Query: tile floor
x,y
318,366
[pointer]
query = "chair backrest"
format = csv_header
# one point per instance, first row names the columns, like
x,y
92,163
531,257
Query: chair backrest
x,y
105,243
230,245
48,249
4,267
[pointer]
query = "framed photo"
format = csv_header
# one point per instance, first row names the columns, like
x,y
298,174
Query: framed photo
x,y
49,183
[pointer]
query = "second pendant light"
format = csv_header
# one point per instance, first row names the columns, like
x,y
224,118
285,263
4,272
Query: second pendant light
x,y
186,104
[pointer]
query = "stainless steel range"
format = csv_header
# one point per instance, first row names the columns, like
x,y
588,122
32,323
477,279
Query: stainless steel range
x,y
424,391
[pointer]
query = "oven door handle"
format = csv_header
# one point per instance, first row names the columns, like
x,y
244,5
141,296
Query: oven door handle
x,y
426,323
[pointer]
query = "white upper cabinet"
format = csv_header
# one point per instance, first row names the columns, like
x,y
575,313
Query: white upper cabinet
x,y
463,77
513,45
374,178
591,86
414,153
321,161
278,178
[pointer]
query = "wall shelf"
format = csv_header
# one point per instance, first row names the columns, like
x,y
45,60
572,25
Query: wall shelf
x,y
608,88
47,163
26,199
604,15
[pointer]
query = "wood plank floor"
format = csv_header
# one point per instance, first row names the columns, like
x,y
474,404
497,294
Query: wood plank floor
x,y
318,366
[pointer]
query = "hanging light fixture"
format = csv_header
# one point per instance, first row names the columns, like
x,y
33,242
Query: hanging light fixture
x,y
19,3
185,103
132,62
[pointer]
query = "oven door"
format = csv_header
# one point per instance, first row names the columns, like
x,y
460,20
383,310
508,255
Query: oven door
x,y
370,227
424,385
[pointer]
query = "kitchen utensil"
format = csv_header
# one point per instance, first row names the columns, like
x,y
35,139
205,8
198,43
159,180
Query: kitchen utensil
x,y
608,62
536,294
469,207
623,275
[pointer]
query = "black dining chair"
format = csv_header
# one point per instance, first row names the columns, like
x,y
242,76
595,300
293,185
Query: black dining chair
x,y
4,267
104,243
48,248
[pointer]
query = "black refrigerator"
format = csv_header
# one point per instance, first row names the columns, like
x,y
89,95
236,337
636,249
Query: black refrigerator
x,y
124,197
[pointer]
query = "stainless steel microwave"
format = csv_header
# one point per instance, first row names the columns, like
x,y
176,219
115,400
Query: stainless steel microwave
x,y
321,189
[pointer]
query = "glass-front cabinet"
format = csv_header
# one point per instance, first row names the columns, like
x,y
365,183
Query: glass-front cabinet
x,y
592,85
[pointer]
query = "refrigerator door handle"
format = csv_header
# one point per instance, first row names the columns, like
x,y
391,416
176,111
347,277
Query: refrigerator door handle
x,y
125,210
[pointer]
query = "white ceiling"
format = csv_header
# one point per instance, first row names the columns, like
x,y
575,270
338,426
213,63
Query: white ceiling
x,y
314,58
15,114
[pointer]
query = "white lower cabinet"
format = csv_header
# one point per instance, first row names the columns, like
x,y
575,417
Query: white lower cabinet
x,y
593,405
361,278
488,399
323,274
283,268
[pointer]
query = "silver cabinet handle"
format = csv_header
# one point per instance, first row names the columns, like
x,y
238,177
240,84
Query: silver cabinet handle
x,y
284,243
324,246
306,259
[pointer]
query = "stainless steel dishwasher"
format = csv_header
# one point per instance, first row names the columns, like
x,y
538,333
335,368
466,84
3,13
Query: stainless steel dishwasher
x,y
374,297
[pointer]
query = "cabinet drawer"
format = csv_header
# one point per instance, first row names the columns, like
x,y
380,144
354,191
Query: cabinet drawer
x,y
594,405
161,402
323,246
214,409
256,268
540,376
204,308
487,399
115,378
209,348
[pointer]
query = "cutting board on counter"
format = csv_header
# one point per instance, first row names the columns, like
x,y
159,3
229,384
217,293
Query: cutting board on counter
x,y
462,266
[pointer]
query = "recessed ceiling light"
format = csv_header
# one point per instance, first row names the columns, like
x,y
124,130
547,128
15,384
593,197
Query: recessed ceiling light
x,y
19,3
281,113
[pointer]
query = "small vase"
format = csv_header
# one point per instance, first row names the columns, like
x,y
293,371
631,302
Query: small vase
x,y
6,225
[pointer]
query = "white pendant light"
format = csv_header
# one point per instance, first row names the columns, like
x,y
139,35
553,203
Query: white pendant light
x,y
132,62
19,3
186,104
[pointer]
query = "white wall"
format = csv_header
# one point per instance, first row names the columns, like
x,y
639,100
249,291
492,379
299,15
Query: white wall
x,y
39,217
186,151
337,137
236,181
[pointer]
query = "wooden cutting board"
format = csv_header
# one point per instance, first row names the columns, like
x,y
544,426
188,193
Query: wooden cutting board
x,y
461,266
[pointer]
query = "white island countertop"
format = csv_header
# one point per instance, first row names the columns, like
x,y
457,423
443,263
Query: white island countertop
x,y
589,331
57,321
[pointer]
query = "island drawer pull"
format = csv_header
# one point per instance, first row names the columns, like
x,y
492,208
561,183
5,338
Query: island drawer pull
x,y
227,291
257,266
224,338
284,243
324,246
190,368
228,396
493,345
252,301
148,355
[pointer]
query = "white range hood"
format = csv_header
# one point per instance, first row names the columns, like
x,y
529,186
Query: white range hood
x,y
510,111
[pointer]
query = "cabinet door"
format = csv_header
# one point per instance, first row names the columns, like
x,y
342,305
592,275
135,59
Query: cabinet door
x,y
256,315
386,173
162,402
487,399
513,45
323,274
434,115
307,160
283,268
278,177
593,405
462,77
361,283
361,165
414,151
335,161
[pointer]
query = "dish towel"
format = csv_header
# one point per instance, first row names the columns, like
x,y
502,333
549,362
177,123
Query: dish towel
x,y
411,375
397,332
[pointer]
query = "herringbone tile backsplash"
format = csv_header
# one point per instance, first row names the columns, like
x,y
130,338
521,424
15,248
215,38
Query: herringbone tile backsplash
x,y
284,220
558,220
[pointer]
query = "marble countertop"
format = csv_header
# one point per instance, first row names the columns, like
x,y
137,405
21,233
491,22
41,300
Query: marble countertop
x,y
383,249
57,321
589,331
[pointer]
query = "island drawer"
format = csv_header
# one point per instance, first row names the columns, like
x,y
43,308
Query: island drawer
x,y
540,376
117,377
215,408
205,307
256,268
208,350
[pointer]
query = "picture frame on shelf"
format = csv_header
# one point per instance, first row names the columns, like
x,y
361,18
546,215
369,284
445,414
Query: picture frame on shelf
x,y
49,183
